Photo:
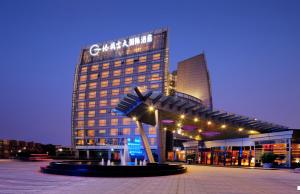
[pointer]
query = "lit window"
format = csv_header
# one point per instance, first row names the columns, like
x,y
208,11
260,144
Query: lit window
x,y
116,82
155,77
102,111
115,92
91,133
129,70
126,131
136,131
155,66
117,63
80,124
105,66
91,113
114,121
104,84
80,142
143,59
92,104
156,56
105,74
80,114
82,87
92,85
126,121
94,67
103,103
81,96
113,131
154,86
102,122
102,131
80,133
141,78
80,105
142,68
102,141
103,93
152,131
152,141
128,80
117,72
114,101
83,69
92,95
83,78
142,88
91,123
91,141
127,90
94,76
129,61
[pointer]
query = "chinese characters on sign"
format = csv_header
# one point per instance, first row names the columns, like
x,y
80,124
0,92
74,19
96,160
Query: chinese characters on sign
x,y
96,48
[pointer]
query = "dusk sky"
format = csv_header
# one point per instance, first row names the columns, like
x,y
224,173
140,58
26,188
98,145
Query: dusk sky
x,y
252,49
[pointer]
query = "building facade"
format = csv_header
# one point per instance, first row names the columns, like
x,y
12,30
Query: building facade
x,y
104,74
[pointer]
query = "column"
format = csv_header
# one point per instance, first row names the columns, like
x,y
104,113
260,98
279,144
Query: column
x,y
289,153
145,142
161,138
88,154
109,154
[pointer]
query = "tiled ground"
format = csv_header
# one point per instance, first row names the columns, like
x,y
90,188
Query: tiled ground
x,y
24,177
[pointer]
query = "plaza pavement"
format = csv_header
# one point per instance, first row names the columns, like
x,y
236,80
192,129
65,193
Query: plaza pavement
x,y
24,177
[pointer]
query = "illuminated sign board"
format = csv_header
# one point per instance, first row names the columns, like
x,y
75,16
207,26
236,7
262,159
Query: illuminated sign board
x,y
95,49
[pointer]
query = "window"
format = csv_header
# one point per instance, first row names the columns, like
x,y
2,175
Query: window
x,y
83,78
128,80
105,66
91,133
142,68
83,69
126,131
156,56
143,59
152,141
102,122
127,90
91,141
104,84
82,87
152,131
103,103
141,78
118,63
93,85
102,111
81,96
129,61
92,104
114,102
91,113
136,131
129,70
155,77
126,121
80,133
102,141
80,114
92,95
80,124
103,93
155,66
116,82
102,131
142,88
80,105
95,67
115,92
94,76
113,131
91,123
114,121
80,142
105,74
117,72
154,86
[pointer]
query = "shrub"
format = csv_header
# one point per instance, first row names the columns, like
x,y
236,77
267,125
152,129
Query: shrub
x,y
268,157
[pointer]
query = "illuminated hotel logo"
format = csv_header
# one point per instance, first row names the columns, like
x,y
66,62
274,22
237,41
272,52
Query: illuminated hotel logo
x,y
95,49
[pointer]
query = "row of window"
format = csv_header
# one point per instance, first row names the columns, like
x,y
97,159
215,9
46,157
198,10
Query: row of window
x,y
108,141
118,63
113,121
118,72
112,132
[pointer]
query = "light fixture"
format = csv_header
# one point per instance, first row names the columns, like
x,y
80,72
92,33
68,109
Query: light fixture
x,y
179,124
165,128
199,130
191,136
182,116
196,119
134,118
223,126
208,122
173,131
240,129
151,108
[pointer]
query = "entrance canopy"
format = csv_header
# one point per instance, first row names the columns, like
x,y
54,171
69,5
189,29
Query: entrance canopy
x,y
187,117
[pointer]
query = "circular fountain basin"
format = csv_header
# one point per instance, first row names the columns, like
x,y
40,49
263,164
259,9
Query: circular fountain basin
x,y
95,169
